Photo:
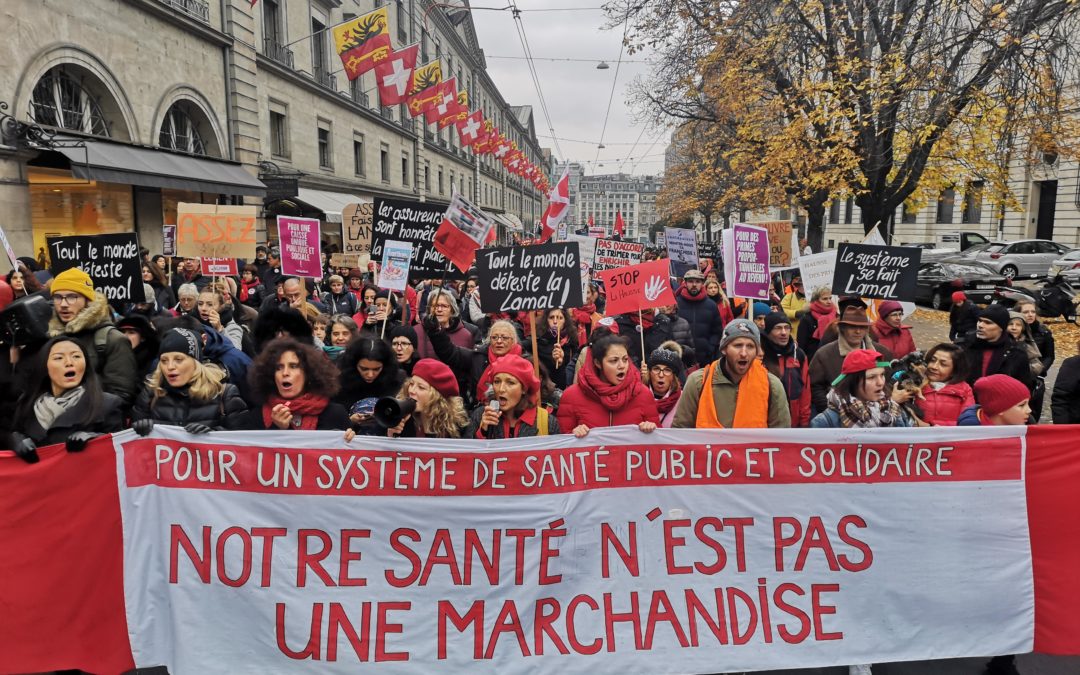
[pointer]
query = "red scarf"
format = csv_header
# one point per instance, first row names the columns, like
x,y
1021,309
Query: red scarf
x,y
614,397
246,288
486,377
665,404
824,314
307,406
646,319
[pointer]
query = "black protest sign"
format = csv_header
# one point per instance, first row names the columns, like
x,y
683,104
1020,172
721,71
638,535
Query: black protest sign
x,y
882,272
112,261
523,278
416,223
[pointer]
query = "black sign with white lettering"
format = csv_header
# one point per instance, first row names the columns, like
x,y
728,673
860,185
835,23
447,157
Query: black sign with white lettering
x,y
882,272
522,278
112,261
414,222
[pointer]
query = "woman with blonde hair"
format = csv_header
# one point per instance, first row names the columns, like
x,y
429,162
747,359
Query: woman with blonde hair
x,y
185,392
440,412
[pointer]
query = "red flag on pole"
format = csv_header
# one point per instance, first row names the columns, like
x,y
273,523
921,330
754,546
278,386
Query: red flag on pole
x,y
445,105
394,75
558,207
620,226
470,130
464,229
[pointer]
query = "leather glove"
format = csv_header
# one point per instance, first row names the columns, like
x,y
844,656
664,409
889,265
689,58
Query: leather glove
x,y
431,325
77,441
197,428
25,448
143,427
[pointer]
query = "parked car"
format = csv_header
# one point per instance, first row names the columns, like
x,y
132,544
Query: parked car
x,y
949,244
1024,258
939,279
1068,265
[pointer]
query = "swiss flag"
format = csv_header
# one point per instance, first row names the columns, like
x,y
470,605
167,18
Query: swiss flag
x,y
620,226
394,75
558,207
470,130
445,105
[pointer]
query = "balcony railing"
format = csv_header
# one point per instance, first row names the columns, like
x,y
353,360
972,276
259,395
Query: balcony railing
x,y
199,9
387,113
277,52
325,78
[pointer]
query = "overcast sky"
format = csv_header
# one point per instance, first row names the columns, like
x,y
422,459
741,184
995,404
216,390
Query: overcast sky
x,y
576,92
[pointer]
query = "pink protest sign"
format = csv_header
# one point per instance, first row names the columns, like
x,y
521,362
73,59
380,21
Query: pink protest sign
x,y
299,239
749,255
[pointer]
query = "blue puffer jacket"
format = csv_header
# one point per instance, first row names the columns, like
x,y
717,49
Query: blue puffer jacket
x,y
970,417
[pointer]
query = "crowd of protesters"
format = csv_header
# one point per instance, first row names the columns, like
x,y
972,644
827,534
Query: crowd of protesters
x,y
267,351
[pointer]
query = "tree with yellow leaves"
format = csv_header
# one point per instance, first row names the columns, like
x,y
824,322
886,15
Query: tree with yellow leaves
x,y
884,100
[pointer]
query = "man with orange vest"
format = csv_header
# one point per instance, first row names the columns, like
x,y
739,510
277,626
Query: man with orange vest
x,y
741,393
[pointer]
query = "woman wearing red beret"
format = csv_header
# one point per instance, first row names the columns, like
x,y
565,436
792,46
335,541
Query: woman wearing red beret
x,y
513,409
440,412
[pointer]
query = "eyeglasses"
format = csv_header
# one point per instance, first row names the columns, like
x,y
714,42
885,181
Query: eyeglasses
x,y
661,370
500,338
65,299
400,344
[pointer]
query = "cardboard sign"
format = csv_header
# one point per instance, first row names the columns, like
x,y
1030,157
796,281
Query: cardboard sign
x,y
168,240
661,240
219,266
611,253
300,252
111,260
780,249
416,222
356,220
561,232
746,261
817,270
682,249
394,272
637,287
526,278
215,231
586,257
881,272
349,260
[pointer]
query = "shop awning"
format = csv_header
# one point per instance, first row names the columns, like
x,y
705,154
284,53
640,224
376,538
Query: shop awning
x,y
134,165
330,203
507,221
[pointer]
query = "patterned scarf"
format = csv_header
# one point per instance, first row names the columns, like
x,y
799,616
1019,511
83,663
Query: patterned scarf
x,y
858,414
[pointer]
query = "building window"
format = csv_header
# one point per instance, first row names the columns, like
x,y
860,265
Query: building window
x,y
442,188
358,155
326,158
849,206
272,32
909,215
59,100
427,176
404,169
834,211
402,22
279,130
319,37
384,163
179,130
973,203
945,206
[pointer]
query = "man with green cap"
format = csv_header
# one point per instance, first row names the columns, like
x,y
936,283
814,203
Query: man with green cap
x,y
83,313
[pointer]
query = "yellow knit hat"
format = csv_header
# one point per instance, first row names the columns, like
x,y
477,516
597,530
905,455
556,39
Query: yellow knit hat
x,y
74,280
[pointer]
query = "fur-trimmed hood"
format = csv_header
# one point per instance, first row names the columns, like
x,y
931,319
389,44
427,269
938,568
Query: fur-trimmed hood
x,y
93,316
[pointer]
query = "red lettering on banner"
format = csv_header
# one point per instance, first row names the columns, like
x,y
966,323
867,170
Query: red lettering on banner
x,y
820,609
311,650
507,622
374,473
734,594
177,537
385,627
593,647
245,557
339,620
475,617
632,617
627,554
660,610
867,553
305,559
695,608
441,553
489,561
268,534
414,560
815,536
543,626
348,556
804,620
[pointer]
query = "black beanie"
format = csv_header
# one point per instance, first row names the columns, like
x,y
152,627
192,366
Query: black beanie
x,y
774,319
405,332
183,341
996,313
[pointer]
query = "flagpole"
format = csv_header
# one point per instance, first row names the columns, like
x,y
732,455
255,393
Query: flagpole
x,y
390,305
642,327
535,350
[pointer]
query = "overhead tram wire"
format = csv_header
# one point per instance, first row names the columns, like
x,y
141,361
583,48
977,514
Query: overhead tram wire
x,y
614,83
535,76
631,152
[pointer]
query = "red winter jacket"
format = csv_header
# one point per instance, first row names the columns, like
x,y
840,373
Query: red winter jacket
x,y
897,340
581,405
943,407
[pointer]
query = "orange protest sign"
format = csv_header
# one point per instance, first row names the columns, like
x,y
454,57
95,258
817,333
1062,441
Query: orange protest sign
x,y
779,242
215,231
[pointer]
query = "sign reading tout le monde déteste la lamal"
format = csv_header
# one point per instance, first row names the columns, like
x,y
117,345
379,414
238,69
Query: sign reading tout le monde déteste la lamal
x,y
525,278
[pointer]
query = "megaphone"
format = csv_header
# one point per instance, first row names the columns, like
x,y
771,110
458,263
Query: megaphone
x,y
389,411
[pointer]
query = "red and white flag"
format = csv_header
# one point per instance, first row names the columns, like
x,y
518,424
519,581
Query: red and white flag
x,y
464,228
471,129
394,75
446,104
558,207
620,226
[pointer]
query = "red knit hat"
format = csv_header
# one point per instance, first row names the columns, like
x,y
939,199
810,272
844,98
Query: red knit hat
x,y
998,393
888,307
438,375
958,297
519,368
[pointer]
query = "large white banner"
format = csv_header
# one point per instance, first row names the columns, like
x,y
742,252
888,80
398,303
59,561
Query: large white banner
x,y
672,552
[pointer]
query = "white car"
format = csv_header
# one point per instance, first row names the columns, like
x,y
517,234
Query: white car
x,y
1068,264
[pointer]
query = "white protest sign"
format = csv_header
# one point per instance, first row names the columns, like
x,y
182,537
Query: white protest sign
x,y
682,249
394,272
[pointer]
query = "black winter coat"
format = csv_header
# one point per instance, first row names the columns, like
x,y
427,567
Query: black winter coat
x,y
468,364
1044,340
657,334
522,430
962,321
109,421
1065,401
706,325
563,376
1008,358
344,303
115,361
224,413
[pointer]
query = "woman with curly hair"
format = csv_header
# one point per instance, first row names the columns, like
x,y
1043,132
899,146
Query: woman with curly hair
x,y
184,391
440,412
293,384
